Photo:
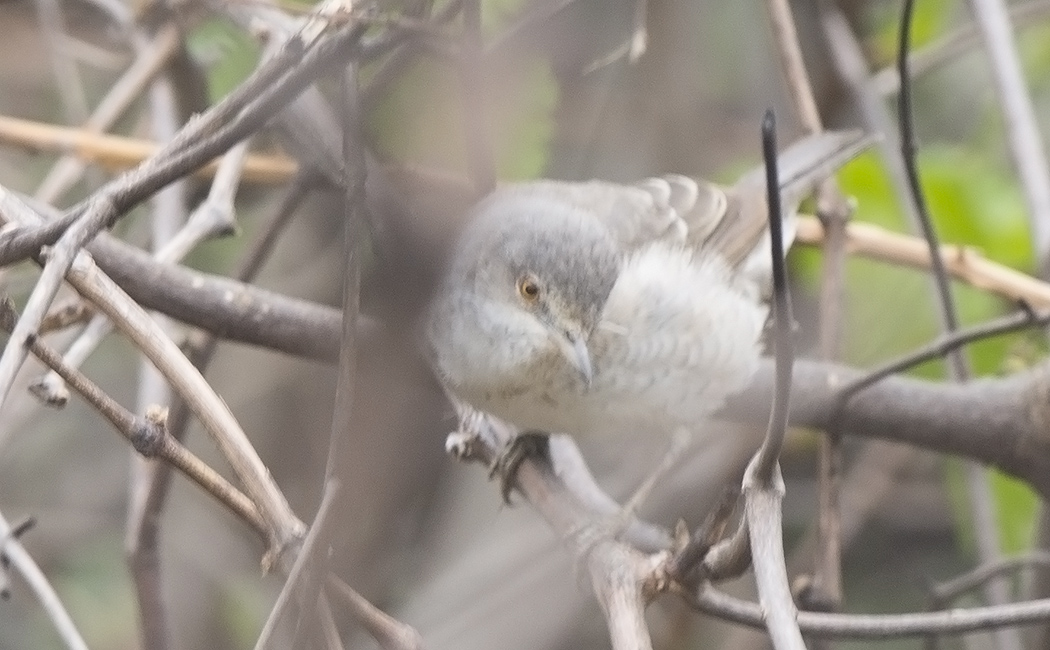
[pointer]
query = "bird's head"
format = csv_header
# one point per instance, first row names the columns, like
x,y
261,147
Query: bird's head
x,y
538,271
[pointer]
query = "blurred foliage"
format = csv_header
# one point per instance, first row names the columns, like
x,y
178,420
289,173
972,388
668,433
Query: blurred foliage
x,y
95,587
225,52
498,15
519,120
244,609
930,21
1034,44
518,111
891,311
1016,509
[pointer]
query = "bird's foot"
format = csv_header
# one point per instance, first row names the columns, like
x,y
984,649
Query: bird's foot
x,y
527,444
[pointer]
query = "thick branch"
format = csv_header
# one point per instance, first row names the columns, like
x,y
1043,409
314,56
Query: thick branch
x,y
1000,422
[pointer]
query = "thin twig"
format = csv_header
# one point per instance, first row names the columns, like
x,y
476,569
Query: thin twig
x,y
147,435
116,152
877,627
1025,319
963,263
151,58
951,47
762,486
946,301
850,62
305,577
793,67
389,633
17,557
943,593
768,455
978,489
834,212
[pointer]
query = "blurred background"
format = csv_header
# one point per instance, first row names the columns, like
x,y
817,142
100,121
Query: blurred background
x,y
429,539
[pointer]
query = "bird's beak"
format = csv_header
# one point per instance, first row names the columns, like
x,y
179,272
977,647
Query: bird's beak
x,y
574,347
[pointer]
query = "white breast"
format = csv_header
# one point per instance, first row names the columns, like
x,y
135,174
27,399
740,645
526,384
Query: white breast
x,y
676,339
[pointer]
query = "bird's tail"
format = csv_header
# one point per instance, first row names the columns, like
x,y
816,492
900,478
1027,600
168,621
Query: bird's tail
x,y
803,165
742,236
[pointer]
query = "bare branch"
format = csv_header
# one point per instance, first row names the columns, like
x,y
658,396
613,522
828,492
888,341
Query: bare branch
x,y
306,572
116,152
283,526
390,633
943,593
16,556
964,264
762,501
834,212
152,57
148,436
890,626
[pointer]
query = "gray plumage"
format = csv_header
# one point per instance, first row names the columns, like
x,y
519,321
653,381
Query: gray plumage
x,y
585,307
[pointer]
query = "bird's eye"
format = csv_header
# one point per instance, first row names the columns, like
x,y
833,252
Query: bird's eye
x,y
528,288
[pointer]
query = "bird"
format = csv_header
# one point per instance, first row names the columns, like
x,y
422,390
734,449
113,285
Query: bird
x,y
591,307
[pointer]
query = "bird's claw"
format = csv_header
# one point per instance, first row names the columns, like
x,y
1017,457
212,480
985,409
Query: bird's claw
x,y
527,444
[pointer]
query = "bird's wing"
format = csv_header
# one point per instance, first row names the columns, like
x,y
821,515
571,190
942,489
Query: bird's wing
x,y
701,214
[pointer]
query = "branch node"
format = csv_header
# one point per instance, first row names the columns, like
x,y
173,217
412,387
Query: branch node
x,y
148,434
50,390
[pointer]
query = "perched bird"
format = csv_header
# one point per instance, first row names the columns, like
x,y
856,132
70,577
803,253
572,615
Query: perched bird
x,y
582,308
